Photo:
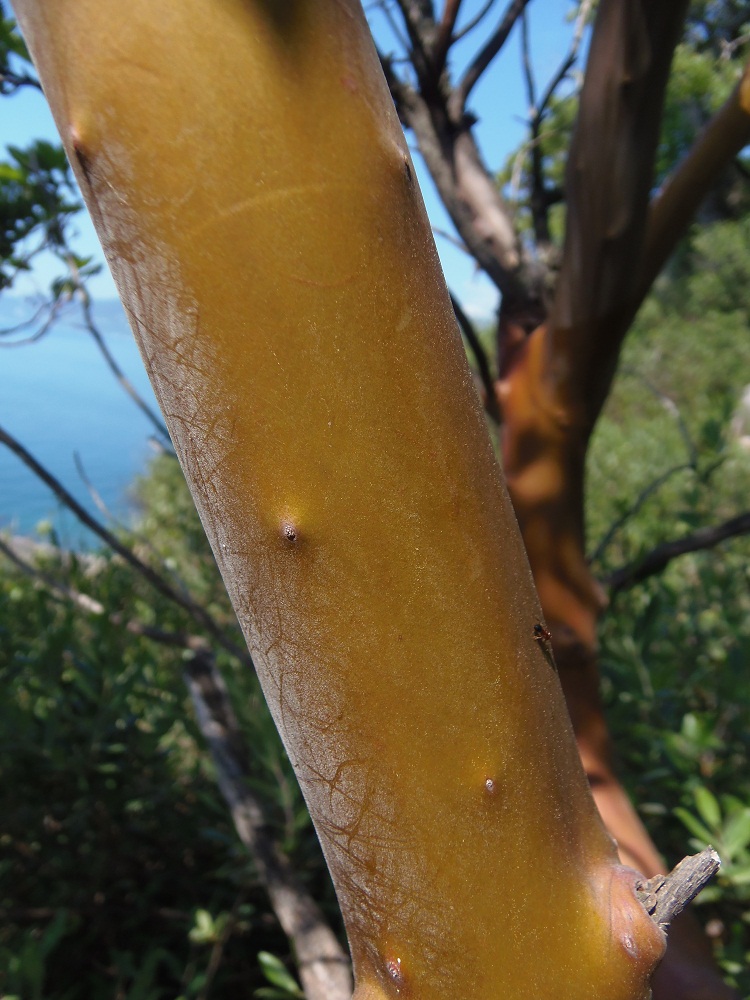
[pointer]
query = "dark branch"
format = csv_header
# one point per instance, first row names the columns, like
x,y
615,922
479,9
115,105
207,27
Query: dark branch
x,y
483,364
570,59
444,34
662,555
85,302
477,19
484,57
420,26
157,581
11,82
633,509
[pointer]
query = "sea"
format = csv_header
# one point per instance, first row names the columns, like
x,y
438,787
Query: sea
x,y
59,399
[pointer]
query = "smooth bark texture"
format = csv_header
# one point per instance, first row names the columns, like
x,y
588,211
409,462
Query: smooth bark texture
x,y
563,318
256,201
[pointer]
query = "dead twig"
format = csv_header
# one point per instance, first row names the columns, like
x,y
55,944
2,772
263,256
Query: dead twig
x,y
665,896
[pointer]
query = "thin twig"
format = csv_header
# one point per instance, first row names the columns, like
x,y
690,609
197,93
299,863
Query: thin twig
x,y
453,240
477,19
569,61
444,34
96,498
84,299
656,560
671,407
633,509
198,613
60,591
484,57
483,364
528,72
54,310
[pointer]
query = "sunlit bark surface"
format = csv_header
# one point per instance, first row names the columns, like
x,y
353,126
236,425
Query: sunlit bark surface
x,y
256,201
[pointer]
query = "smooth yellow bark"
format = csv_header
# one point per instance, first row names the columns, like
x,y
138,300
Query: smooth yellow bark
x,y
251,185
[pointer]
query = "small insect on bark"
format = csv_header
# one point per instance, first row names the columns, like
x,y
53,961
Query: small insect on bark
x,y
542,633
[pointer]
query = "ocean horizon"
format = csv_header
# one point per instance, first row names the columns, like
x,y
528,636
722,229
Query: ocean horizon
x,y
60,400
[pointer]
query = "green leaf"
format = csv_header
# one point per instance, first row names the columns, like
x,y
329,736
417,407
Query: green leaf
x,y
736,833
278,975
708,807
694,826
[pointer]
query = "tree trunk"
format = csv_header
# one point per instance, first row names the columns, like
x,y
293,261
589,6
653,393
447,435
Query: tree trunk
x,y
256,201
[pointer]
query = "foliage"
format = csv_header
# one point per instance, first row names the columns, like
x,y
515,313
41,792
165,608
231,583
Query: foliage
x,y
15,66
37,199
118,855
675,648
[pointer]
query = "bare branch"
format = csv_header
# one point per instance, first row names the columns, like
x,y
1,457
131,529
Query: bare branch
x,y
453,240
444,34
393,25
10,82
643,496
537,195
198,613
674,206
52,311
15,551
528,72
483,365
656,560
323,965
477,19
81,293
420,24
484,57
672,409
466,187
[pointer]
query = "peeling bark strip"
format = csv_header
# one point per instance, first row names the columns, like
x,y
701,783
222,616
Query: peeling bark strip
x,y
665,896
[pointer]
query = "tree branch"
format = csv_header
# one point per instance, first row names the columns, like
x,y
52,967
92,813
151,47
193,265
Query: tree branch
x,y
444,34
608,183
84,299
674,206
322,963
482,362
633,509
420,24
662,555
477,19
459,97
158,582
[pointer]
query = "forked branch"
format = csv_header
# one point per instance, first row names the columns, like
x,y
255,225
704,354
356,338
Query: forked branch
x,y
662,555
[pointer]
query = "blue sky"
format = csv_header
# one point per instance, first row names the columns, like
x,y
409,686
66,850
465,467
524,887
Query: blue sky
x,y
499,101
